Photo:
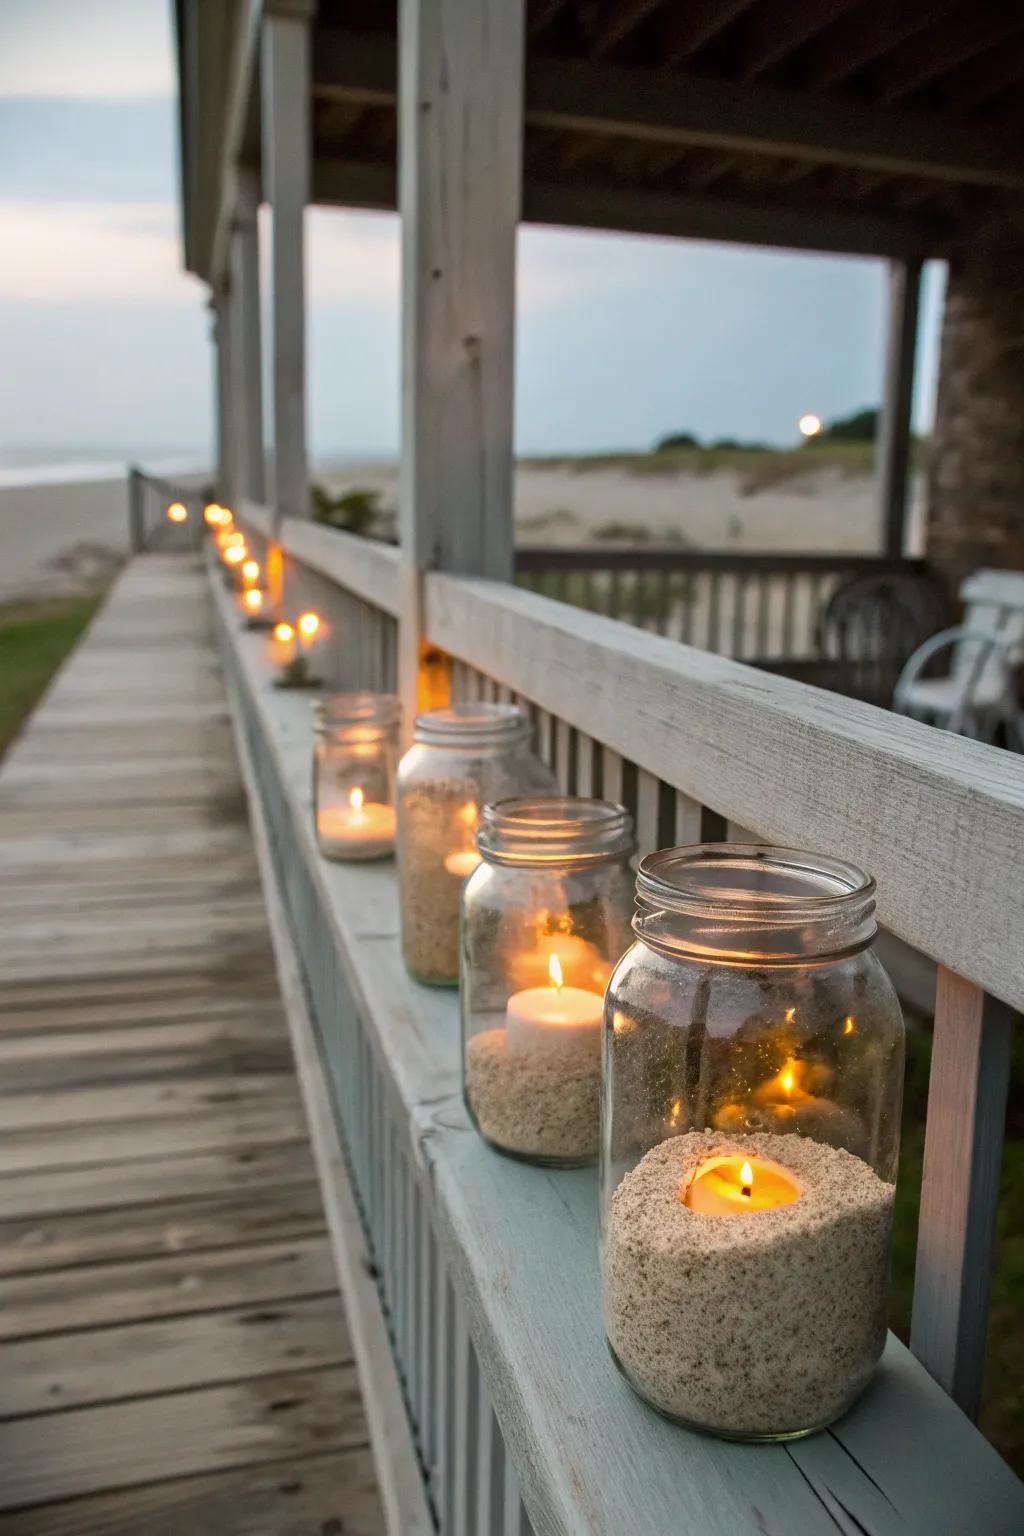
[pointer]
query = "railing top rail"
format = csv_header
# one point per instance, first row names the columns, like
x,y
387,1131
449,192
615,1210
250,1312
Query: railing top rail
x,y
367,567
645,557
937,819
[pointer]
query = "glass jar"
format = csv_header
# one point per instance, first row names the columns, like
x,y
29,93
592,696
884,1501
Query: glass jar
x,y
545,917
354,756
461,757
753,1076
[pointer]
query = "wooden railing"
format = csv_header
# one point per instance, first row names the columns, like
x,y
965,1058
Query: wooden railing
x,y
751,606
149,527
487,1269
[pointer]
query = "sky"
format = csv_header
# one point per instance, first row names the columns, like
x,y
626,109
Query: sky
x,y
620,339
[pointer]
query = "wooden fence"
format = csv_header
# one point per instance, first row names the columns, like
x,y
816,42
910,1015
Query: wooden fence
x,y
487,1269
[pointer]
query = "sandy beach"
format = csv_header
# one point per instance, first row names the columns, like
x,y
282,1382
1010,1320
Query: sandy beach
x,y
59,538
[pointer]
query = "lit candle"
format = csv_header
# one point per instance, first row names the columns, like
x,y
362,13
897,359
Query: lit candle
x,y
234,554
283,648
252,601
308,627
358,830
251,572
552,1015
582,965
733,1185
462,861
177,512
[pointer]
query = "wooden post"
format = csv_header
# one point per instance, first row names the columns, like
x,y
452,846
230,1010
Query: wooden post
x,y
285,80
963,1149
246,323
892,458
460,164
222,355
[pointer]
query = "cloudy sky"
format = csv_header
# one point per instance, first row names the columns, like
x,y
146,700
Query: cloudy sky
x,y
106,344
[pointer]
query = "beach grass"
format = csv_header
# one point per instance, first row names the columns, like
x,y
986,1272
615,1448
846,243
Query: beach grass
x,y
35,637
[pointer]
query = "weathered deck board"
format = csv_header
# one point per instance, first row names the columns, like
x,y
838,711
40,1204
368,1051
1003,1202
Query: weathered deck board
x,y
175,1353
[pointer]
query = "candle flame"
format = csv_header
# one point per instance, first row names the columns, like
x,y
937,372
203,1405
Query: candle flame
x,y
254,599
177,512
849,1027
235,554
355,800
747,1178
468,814
284,633
790,1015
555,972
251,570
309,623
787,1080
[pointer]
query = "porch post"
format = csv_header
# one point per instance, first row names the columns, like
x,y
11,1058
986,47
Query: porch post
x,y
285,81
220,308
892,463
246,323
460,165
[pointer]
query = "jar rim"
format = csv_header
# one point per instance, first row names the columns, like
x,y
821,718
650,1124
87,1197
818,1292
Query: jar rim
x,y
747,900
554,829
472,725
335,711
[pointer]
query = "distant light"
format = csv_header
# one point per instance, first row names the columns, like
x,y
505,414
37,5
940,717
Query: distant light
x,y
211,514
251,571
309,623
254,599
234,554
177,512
810,425
283,633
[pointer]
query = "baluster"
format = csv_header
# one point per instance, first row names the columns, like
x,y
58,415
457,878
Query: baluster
x,y
739,639
713,640
584,764
647,795
762,615
561,762
467,1428
664,603
611,776
490,1502
963,1148
429,1312
615,591
688,819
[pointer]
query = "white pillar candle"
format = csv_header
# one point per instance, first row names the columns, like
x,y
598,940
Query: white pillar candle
x,y
541,1017
462,862
358,830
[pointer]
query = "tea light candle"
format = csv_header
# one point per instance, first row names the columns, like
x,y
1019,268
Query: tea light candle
x,y
582,965
546,1016
765,1324
358,830
462,862
177,512
732,1186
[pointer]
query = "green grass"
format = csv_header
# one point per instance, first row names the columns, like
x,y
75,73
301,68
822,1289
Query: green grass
x,y
34,640
1002,1409
760,468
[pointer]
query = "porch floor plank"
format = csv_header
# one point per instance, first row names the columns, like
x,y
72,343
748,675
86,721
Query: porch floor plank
x,y
176,1355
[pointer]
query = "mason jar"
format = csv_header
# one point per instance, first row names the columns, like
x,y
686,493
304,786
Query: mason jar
x,y
461,757
355,754
753,1072
545,916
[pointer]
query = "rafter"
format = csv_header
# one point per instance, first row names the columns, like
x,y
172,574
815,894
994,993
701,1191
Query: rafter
x,y
686,28
919,61
858,39
773,32
616,19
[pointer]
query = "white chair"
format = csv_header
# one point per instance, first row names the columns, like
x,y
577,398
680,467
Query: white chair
x,y
980,692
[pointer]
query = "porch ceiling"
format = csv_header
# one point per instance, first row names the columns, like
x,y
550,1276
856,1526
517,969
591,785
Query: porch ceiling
x,y
827,123
851,125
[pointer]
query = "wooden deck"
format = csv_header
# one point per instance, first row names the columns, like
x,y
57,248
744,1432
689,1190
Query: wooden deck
x,y
174,1350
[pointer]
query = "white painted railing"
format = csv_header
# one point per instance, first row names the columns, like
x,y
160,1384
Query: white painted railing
x,y
487,1269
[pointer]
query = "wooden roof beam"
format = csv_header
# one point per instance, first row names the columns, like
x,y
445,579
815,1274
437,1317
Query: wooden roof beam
x,y
860,38
577,203
920,60
602,98
686,28
977,82
776,31
616,19
541,13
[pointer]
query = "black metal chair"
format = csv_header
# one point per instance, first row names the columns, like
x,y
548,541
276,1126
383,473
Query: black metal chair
x,y
872,624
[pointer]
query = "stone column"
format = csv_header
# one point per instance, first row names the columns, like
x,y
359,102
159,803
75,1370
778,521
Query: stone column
x,y
976,472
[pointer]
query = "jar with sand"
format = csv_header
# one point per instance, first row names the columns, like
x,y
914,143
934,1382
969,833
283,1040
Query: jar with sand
x,y
461,758
753,1060
545,917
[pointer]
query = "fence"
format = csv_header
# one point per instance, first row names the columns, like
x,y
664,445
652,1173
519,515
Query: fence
x,y
150,526
486,1270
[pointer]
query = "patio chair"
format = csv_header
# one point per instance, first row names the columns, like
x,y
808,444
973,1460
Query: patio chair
x,y
871,624
979,697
